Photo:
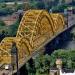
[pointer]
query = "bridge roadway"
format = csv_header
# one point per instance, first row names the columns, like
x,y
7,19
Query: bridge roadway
x,y
71,22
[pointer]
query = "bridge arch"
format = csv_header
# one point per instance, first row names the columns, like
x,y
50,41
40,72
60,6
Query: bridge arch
x,y
35,30
58,21
35,27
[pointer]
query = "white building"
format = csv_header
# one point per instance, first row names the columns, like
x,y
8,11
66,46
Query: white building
x,y
63,73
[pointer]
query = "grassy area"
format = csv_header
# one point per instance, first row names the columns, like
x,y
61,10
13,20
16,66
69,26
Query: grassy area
x,y
10,30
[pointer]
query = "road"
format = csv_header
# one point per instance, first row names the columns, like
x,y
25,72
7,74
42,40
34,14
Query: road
x,y
12,3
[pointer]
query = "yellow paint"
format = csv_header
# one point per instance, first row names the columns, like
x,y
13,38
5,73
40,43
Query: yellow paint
x,y
35,28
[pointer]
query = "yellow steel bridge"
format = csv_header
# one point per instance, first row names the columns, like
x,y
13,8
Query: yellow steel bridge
x,y
36,29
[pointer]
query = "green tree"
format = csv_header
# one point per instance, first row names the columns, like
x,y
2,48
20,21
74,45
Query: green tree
x,y
15,5
40,5
2,23
2,5
67,56
42,64
27,6
30,67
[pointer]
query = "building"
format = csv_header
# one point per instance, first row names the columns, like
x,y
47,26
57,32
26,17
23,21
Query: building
x,y
68,1
67,73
